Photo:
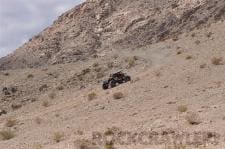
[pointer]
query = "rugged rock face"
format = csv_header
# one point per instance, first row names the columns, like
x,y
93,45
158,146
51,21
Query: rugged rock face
x,y
98,25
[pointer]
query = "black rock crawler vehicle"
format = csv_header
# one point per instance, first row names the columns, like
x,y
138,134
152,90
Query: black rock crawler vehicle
x,y
116,79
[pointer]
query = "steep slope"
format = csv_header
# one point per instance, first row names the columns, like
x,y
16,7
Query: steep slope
x,y
99,25
186,73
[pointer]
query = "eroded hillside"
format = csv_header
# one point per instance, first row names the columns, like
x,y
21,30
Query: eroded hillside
x,y
99,25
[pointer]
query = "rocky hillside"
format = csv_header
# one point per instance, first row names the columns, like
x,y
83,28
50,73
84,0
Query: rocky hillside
x,y
51,94
100,25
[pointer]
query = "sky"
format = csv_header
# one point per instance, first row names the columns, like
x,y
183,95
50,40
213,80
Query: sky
x,y
22,19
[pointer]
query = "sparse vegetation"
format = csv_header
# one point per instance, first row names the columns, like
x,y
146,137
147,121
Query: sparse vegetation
x,y
118,95
38,120
45,104
109,145
6,135
92,96
110,64
60,87
29,76
176,145
188,57
203,66
179,52
6,74
193,118
182,108
100,75
197,42
96,64
16,106
11,122
131,61
217,60
58,137
52,95
43,87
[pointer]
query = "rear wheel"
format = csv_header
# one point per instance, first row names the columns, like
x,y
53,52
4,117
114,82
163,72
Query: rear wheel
x,y
105,85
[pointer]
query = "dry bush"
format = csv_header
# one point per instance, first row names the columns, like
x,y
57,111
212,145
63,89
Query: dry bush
x,y
188,57
131,62
11,122
43,87
96,64
109,145
100,75
110,64
176,146
52,95
58,137
203,66
182,108
45,104
38,146
92,96
29,76
118,95
217,60
84,144
6,74
60,87
197,42
38,120
193,118
86,71
179,52
6,135
98,69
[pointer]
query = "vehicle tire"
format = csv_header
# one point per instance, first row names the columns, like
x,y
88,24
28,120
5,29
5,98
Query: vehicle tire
x,y
127,79
105,86
113,84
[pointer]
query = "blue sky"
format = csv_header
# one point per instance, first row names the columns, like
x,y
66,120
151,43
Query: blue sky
x,y
22,19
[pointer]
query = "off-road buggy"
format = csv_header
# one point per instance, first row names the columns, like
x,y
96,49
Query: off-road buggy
x,y
116,79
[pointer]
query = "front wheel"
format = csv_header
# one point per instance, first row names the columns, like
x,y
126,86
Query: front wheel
x,y
113,84
127,79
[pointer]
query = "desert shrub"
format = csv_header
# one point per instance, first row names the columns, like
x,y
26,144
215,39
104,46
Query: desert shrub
x,y
110,64
52,95
188,57
118,95
217,60
6,74
86,71
16,106
203,66
96,64
6,135
60,87
98,69
29,76
109,145
38,120
193,118
100,75
92,96
45,104
182,108
58,137
10,122
43,87
197,42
